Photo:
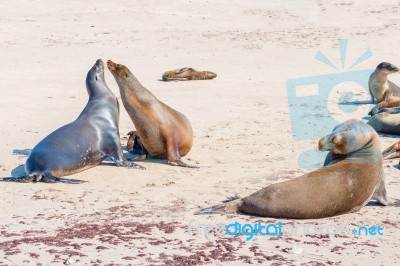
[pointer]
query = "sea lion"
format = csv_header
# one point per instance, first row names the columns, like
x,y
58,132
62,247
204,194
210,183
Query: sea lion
x,y
380,87
187,73
344,185
164,132
386,122
82,144
135,145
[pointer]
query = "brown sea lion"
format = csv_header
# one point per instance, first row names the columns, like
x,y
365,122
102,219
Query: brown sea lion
x,y
164,132
352,177
187,73
82,144
380,87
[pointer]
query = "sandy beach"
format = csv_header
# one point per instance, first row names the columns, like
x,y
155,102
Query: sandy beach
x,y
244,135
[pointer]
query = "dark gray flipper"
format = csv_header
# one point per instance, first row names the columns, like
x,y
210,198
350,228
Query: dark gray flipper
x,y
126,163
53,179
21,179
393,110
220,208
44,178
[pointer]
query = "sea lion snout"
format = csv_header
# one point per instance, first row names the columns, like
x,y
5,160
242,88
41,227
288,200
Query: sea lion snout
x,y
111,65
100,64
211,75
118,69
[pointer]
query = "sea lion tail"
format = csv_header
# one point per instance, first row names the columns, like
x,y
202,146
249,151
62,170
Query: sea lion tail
x,y
229,205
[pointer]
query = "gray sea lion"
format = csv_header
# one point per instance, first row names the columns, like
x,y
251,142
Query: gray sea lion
x,y
164,132
82,144
386,122
344,185
380,87
187,73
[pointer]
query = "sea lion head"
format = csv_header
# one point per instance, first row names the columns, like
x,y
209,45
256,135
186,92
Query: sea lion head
x,y
118,70
210,75
95,75
387,68
350,136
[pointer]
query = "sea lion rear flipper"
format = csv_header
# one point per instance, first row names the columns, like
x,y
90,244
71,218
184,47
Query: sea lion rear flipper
x,y
173,156
230,205
52,179
22,179
181,70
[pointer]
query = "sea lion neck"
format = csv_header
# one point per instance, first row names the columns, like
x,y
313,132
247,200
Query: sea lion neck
x,y
95,83
381,77
131,87
370,153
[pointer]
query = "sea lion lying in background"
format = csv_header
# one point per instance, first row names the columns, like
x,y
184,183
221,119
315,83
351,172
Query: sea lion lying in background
x,y
187,73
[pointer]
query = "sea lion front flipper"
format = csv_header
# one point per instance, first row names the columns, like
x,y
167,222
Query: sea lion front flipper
x,y
391,152
21,179
173,156
183,69
126,163
180,163
380,194
53,179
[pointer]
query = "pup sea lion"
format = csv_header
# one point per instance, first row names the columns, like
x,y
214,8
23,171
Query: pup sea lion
x,y
380,87
187,73
135,145
164,132
82,144
345,185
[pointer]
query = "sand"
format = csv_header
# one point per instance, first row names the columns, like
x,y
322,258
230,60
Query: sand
x,y
241,119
